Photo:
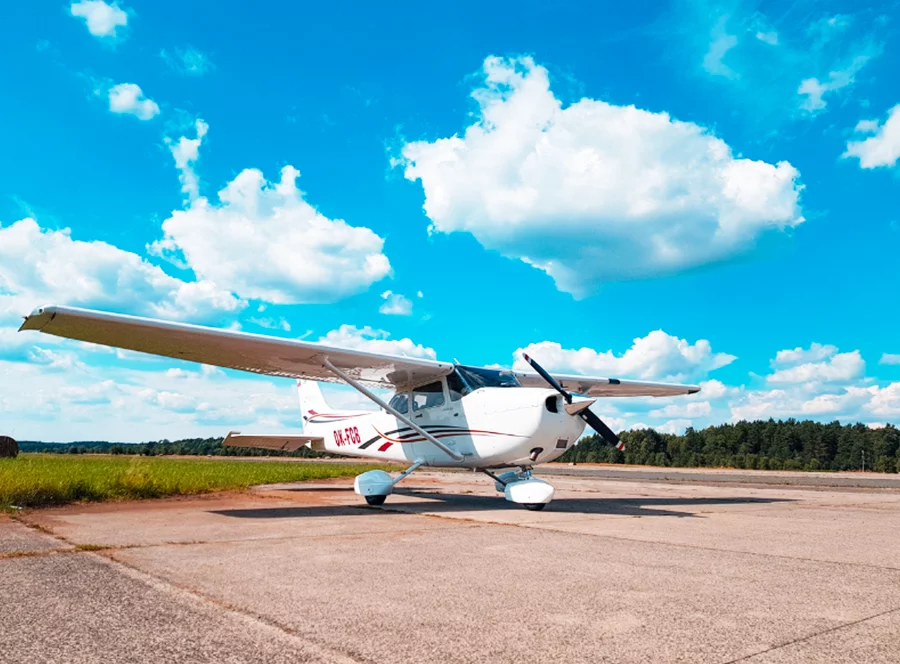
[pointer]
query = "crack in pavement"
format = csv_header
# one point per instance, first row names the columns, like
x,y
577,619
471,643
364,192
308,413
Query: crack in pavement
x,y
801,639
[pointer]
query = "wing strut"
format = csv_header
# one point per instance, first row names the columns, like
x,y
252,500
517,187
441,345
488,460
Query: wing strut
x,y
456,456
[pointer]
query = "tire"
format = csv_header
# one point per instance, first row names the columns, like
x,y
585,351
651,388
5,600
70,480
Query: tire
x,y
535,507
375,500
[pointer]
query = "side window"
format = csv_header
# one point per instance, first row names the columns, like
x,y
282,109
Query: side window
x,y
428,396
458,388
400,402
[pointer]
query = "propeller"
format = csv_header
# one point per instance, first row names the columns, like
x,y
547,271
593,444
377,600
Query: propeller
x,y
584,413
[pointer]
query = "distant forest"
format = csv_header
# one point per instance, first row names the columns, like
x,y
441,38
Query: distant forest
x,y
763,445
188,446
769,445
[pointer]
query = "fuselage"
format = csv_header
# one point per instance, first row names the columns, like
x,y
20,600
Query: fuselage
x,y
492,427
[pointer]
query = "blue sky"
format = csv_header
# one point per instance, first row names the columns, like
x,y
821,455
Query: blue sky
x,y
689,191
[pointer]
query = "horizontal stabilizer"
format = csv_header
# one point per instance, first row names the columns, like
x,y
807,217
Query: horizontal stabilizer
x,y
285,442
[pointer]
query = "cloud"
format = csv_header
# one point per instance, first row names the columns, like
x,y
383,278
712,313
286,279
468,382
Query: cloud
x,y
42,266
837,367
826,28
395,304
375,341
720,44
820,401
713,389
128,99
816,352
594,192
115,402
815,90
889,358
101,18
674,426
263,240
880,149
188,62
885,401
761,61
765,404
272,323
690,409
821,384
657,356
186,151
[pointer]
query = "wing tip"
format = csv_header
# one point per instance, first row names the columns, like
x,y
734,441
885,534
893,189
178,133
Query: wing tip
x,y
38,318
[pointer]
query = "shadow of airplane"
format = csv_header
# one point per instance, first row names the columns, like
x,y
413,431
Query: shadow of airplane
x,y
438,503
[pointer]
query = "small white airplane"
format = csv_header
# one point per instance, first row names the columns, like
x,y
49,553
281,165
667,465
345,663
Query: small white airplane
x,y
441,414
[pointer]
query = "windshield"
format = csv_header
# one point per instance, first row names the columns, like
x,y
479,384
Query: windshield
x,y
478,377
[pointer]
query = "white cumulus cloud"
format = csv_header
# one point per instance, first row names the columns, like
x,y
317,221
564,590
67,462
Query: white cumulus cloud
x,y
263,240
101,18
689,409
594,192
815,353
186,151
880,149
828,366
375,341
128,99
889,358
41,266
657,356
885,401
395,304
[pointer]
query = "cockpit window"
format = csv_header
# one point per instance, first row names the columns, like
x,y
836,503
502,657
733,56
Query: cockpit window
x,y
477,377
458,388
400,402
428,396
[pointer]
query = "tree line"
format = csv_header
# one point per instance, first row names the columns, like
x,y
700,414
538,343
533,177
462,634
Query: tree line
x,y
764,445
186,447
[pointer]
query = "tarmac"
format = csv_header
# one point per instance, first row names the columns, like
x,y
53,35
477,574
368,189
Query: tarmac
x,y
625,569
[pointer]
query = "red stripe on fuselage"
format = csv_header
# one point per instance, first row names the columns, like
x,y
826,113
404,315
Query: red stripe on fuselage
x,y
446,434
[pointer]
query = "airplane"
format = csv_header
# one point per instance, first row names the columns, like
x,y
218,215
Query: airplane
x,y
441,414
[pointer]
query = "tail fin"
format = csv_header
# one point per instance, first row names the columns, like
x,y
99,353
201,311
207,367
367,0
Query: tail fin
x,y
311,400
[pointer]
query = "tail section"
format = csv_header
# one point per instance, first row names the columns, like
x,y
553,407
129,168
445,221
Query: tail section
x,y
312,403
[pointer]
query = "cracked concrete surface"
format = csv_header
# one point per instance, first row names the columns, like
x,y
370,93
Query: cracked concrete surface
x,y
615,570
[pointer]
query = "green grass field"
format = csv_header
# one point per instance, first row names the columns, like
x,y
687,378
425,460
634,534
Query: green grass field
x,y
37,480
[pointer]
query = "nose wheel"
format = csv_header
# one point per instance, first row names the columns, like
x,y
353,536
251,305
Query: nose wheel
x,y
523,489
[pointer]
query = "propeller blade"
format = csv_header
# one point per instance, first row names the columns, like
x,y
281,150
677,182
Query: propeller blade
x,y
584,412
550,379
602,430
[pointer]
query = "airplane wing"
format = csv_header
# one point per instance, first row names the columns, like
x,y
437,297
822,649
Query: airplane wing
x,y
286,442
607,387
257,353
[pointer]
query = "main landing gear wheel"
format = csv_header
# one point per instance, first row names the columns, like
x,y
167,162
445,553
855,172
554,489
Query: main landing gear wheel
x,y
379,500
535,507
